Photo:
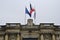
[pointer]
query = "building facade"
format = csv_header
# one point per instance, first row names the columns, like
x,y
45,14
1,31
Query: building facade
x,y
30,31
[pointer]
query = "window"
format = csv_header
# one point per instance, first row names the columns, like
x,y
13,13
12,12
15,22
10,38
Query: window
x,y
58,37
12,37
1,37
47,37
30,38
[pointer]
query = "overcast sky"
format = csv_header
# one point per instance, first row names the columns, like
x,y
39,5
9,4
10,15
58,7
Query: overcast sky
x,y
47,11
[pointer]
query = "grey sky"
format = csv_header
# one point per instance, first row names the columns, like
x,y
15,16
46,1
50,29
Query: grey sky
x,y
48,11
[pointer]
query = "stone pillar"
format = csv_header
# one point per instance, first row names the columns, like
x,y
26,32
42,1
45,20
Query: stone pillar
x,y
39,38
53,37
6,37
42,38
18,36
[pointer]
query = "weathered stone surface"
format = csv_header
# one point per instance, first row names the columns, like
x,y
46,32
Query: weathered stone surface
x,y
44,31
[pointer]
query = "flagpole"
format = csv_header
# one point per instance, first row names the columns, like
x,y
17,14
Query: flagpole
x,y
34,16
25,17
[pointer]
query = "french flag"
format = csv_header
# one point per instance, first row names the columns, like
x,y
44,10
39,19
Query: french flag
x,y
31,11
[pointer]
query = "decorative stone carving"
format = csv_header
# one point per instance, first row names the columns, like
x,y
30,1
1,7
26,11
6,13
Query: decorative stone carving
x,y
30,22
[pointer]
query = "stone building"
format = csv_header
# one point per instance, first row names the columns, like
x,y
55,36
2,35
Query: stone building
x,y
30,31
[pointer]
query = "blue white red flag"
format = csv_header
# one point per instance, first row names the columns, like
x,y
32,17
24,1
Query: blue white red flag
x,y
31,11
